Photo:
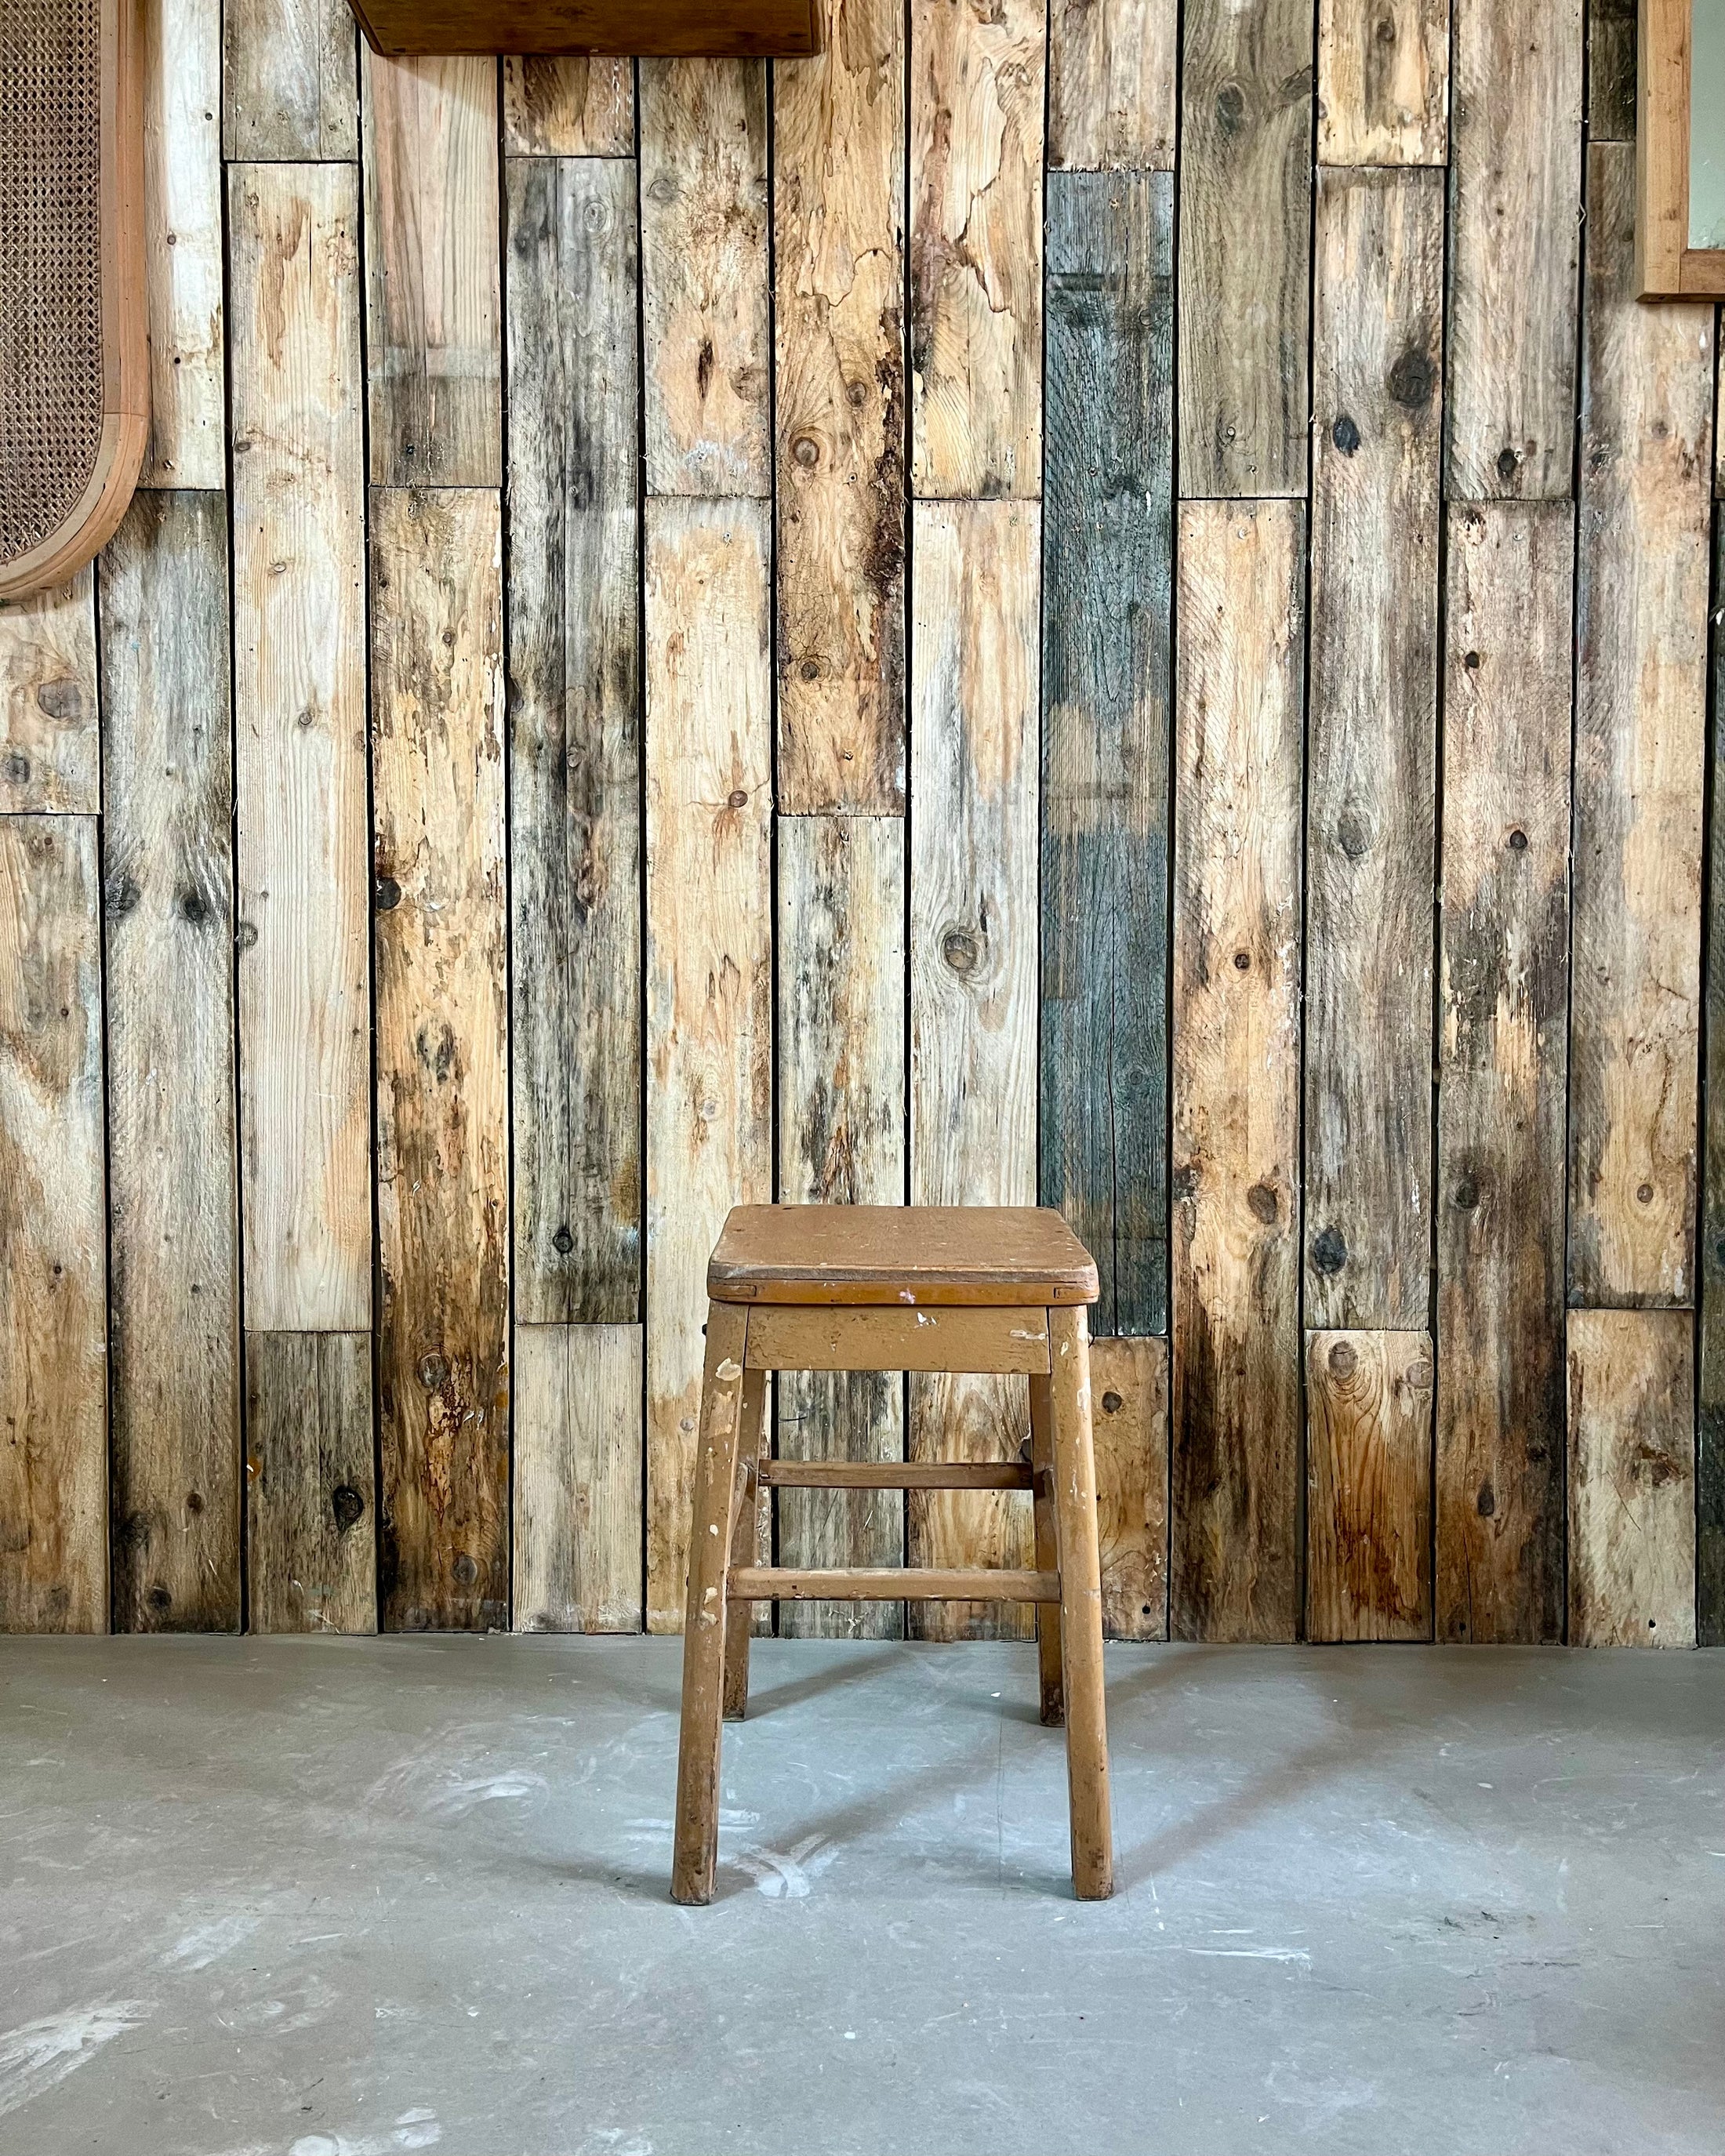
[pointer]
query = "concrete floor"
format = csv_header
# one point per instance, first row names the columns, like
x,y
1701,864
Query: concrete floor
x,y
345,1898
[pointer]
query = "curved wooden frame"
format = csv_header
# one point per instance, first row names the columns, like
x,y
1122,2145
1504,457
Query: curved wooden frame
x,y
125,357
1666,266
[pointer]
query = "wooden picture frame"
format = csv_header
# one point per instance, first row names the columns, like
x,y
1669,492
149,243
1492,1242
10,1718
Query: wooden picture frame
x,y
1667,267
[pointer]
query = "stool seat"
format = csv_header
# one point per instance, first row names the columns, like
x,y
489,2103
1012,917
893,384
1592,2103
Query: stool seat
x,y
907,1255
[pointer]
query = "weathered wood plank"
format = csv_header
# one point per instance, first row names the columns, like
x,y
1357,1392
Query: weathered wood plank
x,y
1502,1057
1640,724
972,966
311,1518
1236,1433
432,314
705,298
577,1478
182,244
1128,1387
838,221
1368,1486
1108,571
172,1169
1515,210
1611,29
442,1058
300,684
841,1142
1710,1435
709,1045
1378,368
574,661
1631,1478
977,100
54,1348
1245,248
572,107
50,740
291,84
1111,97
1382,82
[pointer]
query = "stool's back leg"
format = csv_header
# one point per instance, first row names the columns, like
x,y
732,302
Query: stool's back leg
x,y
1080,1606
745,1541
716,1446
1048,1614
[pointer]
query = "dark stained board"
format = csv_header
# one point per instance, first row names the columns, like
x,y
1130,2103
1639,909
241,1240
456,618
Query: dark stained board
x,y
1611,59
1710,1433
309,1514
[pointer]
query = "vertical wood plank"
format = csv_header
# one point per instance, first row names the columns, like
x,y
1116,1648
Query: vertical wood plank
x,y
431,271
972,963
50,740
1611,30
575,836
1245,250
568,107
977,100
1631,1479
1235,1438
1382,82
705,301
290,82
172,1169
1111,69
1515,210
1502,1060
1128,1385
1368,1486
1710,1435
443,1085
53,1349
1640,725
182,244
841,1142
1378,360
1107,571
839,221
709,1044
300,682
577,1478
310,1521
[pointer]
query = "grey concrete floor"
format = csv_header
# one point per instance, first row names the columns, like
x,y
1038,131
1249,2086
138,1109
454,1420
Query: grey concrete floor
x,y
345,1898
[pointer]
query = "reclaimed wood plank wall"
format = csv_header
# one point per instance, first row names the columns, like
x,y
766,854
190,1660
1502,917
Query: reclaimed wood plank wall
x,y
1080,598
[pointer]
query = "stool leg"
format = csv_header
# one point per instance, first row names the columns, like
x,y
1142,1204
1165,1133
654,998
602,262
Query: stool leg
x,y
1048,1557
744,1543
716,1446
1080,1606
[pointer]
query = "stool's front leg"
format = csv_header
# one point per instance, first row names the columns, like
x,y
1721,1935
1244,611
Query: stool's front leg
x,y
1080,1606
716,1448
1048,1557
745,1541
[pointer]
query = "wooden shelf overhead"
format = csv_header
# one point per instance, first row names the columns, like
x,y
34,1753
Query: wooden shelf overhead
x,y
669,29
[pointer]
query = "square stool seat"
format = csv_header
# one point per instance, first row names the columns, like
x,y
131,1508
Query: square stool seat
x,y
908,1255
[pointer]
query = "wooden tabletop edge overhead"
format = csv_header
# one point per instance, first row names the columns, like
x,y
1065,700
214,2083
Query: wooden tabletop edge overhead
x,y
671,29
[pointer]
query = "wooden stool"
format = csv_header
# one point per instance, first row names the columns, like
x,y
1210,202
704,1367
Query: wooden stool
x,y
877,1287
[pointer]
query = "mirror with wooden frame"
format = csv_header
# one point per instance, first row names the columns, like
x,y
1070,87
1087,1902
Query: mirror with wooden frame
x,y
1680,164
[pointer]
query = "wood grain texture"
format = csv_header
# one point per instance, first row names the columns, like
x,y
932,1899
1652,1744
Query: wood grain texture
x,y
819,1337
568,107
1631,1478
1106,687
1514,214
841,1142
442,1058
577,1478
299,689
705,302
1111,93
50,736
1368,1442
1245,248
1371,804
973,968
709,1042
1236,1433
977,98
575,817
1382,82
1710,1432
53,1347
1502,1049
1611,71
1641,723
182,245
289,80
432,316
172,1167
309,1517
1128,1385
838,223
